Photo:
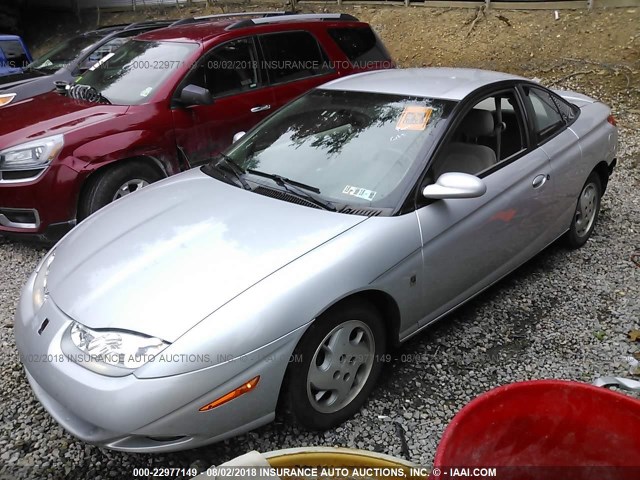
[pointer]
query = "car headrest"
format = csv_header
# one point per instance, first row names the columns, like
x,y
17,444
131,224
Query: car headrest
x,y
477,123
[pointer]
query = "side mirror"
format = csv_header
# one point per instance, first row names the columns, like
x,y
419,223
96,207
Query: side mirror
x,y
238,136
455,185
194,95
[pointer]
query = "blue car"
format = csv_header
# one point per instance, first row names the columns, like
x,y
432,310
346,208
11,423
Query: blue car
x,y
14,55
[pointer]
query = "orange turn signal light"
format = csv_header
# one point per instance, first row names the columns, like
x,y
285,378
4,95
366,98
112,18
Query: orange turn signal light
x,y
241,390
6,98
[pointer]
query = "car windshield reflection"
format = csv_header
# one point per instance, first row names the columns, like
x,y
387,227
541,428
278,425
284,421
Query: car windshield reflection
x,y
355,147
133,72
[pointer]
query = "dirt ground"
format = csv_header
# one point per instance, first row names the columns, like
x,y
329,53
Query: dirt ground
x,y
599,50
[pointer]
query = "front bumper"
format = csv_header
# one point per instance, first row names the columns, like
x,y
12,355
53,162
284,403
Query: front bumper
x,y
39,206
144,415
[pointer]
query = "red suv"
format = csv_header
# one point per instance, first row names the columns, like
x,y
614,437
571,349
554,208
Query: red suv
x,y
166,101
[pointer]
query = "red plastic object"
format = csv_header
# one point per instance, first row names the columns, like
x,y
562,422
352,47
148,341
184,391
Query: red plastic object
x,y
544,429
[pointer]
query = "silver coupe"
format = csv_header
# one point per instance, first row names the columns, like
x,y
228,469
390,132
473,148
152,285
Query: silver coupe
x,y
283,272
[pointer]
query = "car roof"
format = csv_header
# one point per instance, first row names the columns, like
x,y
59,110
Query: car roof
x,y
9,37
431,82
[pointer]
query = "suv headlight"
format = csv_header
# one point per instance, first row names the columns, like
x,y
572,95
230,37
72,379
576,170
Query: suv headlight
x,y
40,284
102,350
31,155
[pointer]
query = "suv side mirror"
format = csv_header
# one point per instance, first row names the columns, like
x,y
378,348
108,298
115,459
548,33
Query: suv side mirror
x,y
238,136
455,185
194,95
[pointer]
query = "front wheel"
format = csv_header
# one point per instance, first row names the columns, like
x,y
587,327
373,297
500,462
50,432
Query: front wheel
x,y
586,213
338,361
114,183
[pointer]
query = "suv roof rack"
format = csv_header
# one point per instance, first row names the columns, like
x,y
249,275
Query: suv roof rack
x,y
131,26
150,23
205,18
294,17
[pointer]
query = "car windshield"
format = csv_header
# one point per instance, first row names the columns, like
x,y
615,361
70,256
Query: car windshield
x,y
65,53
131,74
356,148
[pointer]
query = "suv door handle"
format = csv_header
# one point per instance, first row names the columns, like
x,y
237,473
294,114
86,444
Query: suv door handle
x,y
540,180
260,108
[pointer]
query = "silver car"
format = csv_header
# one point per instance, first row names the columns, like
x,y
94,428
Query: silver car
x,y
283,272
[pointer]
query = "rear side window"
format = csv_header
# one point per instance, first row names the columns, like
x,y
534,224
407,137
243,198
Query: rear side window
x,y
14,54
547,116
360,45
292,56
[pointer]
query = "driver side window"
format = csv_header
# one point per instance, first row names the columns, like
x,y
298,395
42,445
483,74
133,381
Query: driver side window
x,y
228,69
491,132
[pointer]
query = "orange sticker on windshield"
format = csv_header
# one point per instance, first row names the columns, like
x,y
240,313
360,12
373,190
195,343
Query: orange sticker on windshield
x,y
414,118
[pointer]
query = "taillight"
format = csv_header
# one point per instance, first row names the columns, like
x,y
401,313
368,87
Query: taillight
x,y
612,120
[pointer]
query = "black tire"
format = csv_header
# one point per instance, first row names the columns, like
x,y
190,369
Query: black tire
x,y
351,316
579,233
103,186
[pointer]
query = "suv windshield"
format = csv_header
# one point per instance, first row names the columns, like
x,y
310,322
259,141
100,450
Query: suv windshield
x,y
132,73
354,147
64,53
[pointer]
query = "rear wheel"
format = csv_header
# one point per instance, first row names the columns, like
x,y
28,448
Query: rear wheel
x,y
114,183
586,213
338,364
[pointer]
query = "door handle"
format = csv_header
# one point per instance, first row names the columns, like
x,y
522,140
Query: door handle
x,y
260,108
540,180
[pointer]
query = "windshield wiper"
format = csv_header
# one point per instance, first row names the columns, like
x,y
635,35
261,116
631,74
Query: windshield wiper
x,y
228,164
297,188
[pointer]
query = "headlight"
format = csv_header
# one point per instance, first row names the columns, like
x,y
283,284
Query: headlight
x,y
6,99
40,284
31,155
115,348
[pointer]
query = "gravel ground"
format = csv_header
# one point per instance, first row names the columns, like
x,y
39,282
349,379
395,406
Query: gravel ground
x,y
565,314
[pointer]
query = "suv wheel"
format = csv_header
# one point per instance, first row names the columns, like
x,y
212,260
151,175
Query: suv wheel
x,y
115,183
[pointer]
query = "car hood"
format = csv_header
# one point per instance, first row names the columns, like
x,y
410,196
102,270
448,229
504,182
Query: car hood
x,y
49,114
7,82
161,260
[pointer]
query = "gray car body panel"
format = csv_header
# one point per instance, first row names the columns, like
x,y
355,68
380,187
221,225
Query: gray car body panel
x,y
442,82
234,279
215,239
57,379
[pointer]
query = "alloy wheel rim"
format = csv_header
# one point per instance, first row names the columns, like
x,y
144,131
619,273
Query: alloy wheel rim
x,y
586,210
340,366
130,186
